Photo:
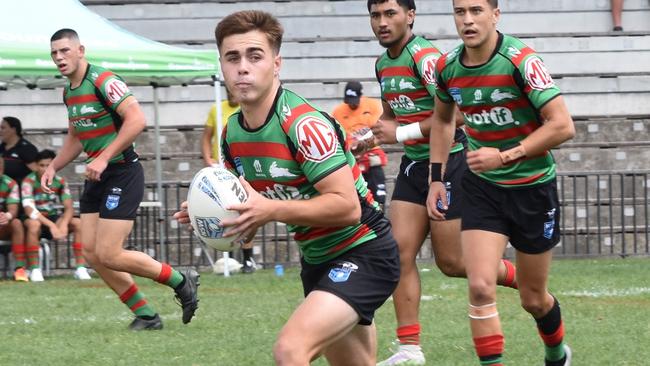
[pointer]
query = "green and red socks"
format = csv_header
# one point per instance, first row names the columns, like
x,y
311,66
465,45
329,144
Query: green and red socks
x,y
31,251
551,330
489,349
169,276
19,254
511,275
77,250
409,334
135,300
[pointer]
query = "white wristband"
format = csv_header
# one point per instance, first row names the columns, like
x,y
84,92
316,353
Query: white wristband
x,y
34,215
408,132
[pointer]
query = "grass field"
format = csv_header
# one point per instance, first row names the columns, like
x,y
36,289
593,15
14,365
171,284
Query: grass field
x,y
605,304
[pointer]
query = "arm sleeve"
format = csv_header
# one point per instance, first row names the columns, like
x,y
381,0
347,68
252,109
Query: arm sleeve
x,y
539,85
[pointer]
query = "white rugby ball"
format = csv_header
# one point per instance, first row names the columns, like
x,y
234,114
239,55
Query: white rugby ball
x,y
211,191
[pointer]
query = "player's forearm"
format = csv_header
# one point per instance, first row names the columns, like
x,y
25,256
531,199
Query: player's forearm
x,y
12,209
327,210
441,137
550,135
131,128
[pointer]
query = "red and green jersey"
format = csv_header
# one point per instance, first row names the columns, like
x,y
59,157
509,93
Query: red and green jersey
x,y
408,87
283,159
45,202
501,102
92,112
8,192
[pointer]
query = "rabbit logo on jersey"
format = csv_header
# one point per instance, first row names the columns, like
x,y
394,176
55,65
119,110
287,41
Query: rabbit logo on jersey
x,y
209,227
342,273
316,138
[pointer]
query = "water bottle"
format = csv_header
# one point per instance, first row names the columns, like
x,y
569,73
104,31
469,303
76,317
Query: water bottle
x,y
279,270
448,189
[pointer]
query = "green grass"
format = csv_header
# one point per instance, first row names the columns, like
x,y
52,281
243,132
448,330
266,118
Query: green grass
x,y
605,304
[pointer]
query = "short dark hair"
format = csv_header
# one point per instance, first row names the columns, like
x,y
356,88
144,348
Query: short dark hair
x,y
64,33
45,154
14,123
493,3
406,4
249,20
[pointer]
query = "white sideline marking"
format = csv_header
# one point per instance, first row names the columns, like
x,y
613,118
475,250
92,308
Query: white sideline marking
x,y
608,292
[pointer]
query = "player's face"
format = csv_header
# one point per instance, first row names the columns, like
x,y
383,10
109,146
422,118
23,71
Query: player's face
x,y
66,54
390,22
41,165
249,66
475,21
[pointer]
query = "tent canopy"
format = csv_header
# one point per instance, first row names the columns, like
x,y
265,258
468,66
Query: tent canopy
x,y
27,25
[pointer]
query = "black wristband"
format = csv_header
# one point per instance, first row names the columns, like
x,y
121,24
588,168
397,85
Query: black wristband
x,y
508,147
436,172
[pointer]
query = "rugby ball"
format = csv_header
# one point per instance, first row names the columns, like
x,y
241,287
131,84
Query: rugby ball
x,y
211,191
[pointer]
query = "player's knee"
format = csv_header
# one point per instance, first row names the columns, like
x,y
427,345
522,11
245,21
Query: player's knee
x,y
107,258
15,224
286,352
451,267
534,302
481,291
33,226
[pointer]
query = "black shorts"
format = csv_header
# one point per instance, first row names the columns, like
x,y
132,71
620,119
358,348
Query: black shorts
x,y
528,216
364,276
376,183
117,195
412,184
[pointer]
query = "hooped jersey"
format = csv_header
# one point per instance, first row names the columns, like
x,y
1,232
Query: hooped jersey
x,y
45,203
294,149
9,193
501,101
92,112
408,86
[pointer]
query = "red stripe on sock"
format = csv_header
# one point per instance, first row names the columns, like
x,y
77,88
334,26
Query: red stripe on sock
x,y
511,270
409,334
128,293
165,273
19,251
138,305
554,339
489,345
77,246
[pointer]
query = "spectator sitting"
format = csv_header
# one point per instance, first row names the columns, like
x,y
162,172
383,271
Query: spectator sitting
x,y
19,154
358,113
10,225
617,11
42,213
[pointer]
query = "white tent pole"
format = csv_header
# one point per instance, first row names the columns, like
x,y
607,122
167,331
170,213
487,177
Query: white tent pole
x,y
217,141
161,214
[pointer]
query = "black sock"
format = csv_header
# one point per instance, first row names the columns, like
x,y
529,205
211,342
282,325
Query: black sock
x,y
248,254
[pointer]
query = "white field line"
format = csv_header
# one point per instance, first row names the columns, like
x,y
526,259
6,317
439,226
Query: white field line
x,y
620,292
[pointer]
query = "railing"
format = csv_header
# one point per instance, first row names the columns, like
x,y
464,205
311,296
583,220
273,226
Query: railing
x,y
603,214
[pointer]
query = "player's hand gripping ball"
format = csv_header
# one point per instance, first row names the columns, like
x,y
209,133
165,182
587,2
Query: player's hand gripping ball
x,y
211,191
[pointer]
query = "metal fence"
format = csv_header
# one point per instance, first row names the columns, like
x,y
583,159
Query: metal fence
x,y
603,214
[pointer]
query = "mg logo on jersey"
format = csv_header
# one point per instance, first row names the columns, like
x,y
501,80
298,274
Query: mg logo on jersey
x,y
537,74
402,102
115,89
429,69
499,116
316,138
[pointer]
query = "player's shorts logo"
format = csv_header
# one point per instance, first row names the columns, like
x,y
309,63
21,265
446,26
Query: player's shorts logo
x,y
342,273
316,138
208,227
112,201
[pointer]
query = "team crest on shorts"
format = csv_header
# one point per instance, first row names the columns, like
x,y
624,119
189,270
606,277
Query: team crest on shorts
x,y
342,273
112,201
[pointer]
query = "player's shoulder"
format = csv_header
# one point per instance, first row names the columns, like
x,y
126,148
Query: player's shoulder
x,y
449,58
30,178
7,180
515,50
